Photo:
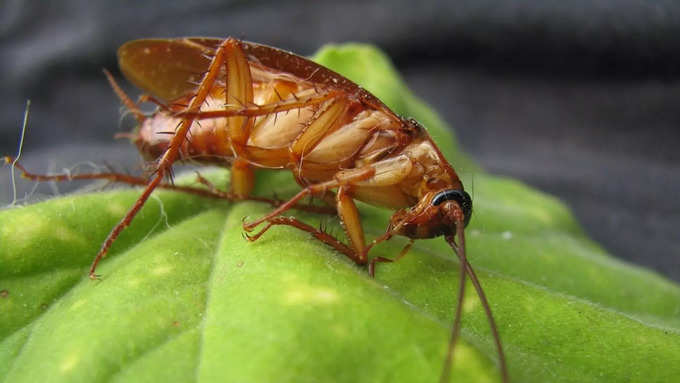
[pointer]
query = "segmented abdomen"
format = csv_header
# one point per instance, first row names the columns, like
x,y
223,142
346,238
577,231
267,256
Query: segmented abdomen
x,y
348,133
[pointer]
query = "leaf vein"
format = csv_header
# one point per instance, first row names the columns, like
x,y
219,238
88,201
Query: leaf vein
x,y
201,325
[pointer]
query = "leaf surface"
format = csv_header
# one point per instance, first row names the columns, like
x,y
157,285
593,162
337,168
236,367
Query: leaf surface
x,y
185,298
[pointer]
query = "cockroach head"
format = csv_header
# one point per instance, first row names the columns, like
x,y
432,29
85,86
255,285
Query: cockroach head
x,y
460,197
438,213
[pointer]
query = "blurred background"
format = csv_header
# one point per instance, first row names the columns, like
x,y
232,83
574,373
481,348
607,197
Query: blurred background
x,y
580,99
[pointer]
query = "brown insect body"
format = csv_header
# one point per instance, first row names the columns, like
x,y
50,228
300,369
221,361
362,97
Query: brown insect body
x,y
366,138
360,132
284,111
249,106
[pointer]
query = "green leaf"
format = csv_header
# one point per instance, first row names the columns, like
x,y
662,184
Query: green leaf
x,y
185,298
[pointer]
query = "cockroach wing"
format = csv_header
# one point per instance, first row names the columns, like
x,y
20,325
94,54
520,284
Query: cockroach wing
x,y
171,68
165,68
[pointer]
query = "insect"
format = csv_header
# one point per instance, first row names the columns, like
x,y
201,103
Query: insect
x,y
249,106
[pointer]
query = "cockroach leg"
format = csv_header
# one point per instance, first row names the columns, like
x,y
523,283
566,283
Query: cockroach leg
x,y
211,192
109,176
239,90
319,127
134,181
371,265
149,98
260,110
383,173
124,98
274,202
242,178
351,222
347,178
402,253
316,233
309,190
227,47
306,207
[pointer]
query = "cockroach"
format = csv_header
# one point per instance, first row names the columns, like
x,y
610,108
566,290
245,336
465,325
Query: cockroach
x,y
248,106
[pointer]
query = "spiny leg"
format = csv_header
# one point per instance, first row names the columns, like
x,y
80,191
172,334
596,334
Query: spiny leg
x,y
226,48
310,190
320,126
124,98
318,234
313,190
349,219
342,178
274,202
149,98
108,176
351,222
346,210
311,135
210,192
402,253
382,173
260,110
133,107
358,257
242,178
239,91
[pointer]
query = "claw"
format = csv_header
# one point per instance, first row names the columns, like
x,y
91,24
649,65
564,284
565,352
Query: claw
x,y
256,236
252,238
200,179
249,238
246,226
249,226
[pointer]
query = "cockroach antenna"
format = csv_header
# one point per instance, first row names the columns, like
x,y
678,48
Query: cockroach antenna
x,y
455,329
466,268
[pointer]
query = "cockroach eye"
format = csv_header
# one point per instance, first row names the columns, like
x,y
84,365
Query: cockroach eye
x,y
460,196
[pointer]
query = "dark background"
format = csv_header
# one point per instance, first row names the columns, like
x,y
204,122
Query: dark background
x,y
578,98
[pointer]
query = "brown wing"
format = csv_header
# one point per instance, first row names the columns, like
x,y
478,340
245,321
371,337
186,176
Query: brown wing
x,y
165,68
170,68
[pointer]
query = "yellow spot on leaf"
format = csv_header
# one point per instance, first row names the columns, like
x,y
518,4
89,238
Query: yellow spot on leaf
x,y
305,294
25,230
540,213
470,304
64,234
161,270
77,304
134,282
116,209
339,330
68,363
